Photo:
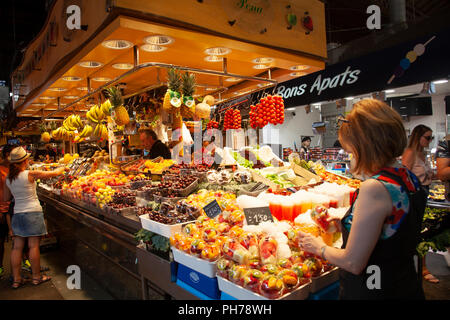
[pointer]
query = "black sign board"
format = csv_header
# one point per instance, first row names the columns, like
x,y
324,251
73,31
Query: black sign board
x,y
255,216
421,60
212,209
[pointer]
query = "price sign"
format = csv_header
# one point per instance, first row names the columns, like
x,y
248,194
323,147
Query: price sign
x,y
212,209
255,216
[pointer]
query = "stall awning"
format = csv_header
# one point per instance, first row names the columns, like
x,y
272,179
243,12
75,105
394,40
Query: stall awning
x,y
62,63
422,60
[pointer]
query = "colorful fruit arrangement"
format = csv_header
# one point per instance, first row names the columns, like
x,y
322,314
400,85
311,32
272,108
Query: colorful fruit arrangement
x,y
232,119
269,110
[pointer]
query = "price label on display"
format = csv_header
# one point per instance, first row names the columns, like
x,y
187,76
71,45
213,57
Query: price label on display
x,y
212,209
255,216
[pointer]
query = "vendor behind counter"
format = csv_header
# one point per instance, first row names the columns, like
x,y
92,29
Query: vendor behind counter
x,y
153,146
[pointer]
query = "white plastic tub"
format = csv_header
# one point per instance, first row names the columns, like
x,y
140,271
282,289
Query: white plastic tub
x,y
204,267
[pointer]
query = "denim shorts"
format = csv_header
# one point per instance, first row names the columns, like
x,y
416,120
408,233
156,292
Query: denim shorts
x,y
28,224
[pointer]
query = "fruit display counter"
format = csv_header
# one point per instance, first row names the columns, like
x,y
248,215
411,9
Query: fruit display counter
x,y
193,223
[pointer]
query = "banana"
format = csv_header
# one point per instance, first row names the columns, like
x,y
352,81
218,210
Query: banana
x,y
89,130
104,132
83,132
78,122
68,124
100,113
106,106
91,117
97,128
65,126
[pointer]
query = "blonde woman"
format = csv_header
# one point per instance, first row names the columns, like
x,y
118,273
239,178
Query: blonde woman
x,y
415,160
380,230
27,222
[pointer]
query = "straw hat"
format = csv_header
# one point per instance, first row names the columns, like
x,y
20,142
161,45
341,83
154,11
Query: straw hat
x,y
18,155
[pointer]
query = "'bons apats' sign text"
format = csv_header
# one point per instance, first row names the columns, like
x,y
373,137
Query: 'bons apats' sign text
x,y
320,84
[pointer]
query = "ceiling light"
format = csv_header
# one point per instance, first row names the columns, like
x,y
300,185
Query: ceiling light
x,y
349,98
213,58
117,44
299,67
232,79
82,88
70,97
389,91
90,64
152,48
261,66
158,40
38,104
210,89
217,51
122,66
297,74
101,79
262,60
440,81
47,98
236,93
57,89
71,78
51,109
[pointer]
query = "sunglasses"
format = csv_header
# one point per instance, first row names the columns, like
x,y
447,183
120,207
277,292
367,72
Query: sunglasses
x,y
429,138
340,120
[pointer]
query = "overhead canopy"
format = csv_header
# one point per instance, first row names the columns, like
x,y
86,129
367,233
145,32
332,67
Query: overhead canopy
x,y
191,27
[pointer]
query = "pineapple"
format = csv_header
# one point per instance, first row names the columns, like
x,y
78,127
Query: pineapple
x,y
45,136
172,98
119,113
188,106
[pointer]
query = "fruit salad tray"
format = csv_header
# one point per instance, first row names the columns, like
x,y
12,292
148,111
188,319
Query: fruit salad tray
x,y
202,266
240,293
324,280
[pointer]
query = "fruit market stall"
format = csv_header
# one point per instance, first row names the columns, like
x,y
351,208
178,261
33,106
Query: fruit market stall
x,y
99,89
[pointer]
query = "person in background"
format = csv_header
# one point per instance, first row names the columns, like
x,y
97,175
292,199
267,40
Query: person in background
x,y
443,166
414,157
27,222
5,219
154,146
337,144
50,154
380,227
306,143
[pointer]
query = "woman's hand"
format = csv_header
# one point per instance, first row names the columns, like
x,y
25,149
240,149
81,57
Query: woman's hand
x,y
309,243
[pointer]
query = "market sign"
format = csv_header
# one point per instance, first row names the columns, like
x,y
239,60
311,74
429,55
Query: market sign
x,y
410,63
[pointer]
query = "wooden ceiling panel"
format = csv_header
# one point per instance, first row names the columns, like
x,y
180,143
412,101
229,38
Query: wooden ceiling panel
x,y
187,50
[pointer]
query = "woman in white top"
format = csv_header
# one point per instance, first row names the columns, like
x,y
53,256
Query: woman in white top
x,y
415,160
414,156
27,222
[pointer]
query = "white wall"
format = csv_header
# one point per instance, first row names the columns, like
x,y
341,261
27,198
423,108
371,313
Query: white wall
x,y
436,121
293,128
